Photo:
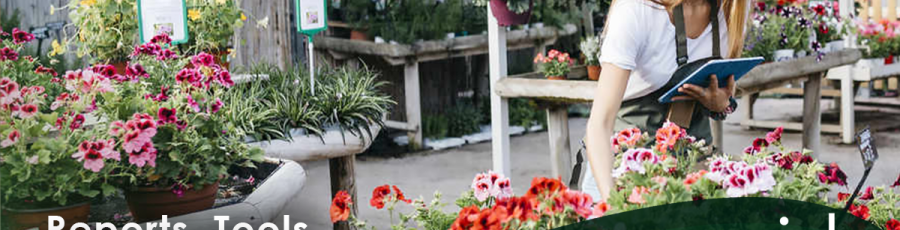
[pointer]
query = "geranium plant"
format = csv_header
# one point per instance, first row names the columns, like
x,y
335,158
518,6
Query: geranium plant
x,y
881,38
555,65
172,126
107,29
49,157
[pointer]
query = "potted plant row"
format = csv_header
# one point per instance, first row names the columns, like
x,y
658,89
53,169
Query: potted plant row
x,y
650,171
788,29
555,66
107,29
881,40
159,131
590,48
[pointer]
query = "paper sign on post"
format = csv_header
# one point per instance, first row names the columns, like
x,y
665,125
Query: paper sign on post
x,y
312,16
867,147
163,16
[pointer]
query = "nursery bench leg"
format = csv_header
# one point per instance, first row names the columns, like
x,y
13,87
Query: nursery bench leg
x,y
343,177
560,152
413,104
847,111
717,134
812,116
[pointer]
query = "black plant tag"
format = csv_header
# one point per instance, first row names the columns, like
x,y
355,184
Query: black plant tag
x,y
867,147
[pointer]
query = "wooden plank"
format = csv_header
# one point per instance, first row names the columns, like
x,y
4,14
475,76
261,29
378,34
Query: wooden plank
x,y
812,115
570,90
748,101
400,125
499,106
799,91
343,178
560,151
788,125
413,104
270,44
760,77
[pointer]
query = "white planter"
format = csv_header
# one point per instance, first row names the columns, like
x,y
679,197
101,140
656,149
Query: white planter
x,y
303,147
800,54
451,35
263,205
872,62
379,39
834,46
783,55
539,25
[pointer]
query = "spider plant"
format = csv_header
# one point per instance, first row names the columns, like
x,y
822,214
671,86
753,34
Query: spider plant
x,y
350,99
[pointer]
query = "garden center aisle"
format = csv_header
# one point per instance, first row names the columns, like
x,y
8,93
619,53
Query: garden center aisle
x,y
420,174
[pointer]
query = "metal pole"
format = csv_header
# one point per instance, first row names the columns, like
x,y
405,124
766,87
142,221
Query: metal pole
x,y
312,66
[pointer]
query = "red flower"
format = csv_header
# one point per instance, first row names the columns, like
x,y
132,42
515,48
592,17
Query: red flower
x,y
892,224
161,38
400,196
833,174
542,186
823,28
774,136
868,195
466,218
579,201
8,54
896,183
667,136
520,208
77,122
490,219
761,6
135,71
378,196
20,37
861,211
45,70
166,116
108,71
340,207
843,196
758,144
202,59
819,9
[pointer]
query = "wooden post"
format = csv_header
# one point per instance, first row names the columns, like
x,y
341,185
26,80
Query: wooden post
x,y
747,101
812,116
343,177
848,119
499,105
863,11
587,16
718,134
892,10
876,10
560,151
413,104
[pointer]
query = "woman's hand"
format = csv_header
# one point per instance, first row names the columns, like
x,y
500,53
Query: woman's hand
x,y
713,98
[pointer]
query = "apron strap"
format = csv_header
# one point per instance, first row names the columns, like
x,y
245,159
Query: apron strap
x,y
681,35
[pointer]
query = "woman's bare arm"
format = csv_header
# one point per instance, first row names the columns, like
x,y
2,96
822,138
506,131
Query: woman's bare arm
x,y
607,100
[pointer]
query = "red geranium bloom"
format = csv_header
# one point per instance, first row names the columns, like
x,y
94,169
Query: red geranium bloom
x,y
896,183
542,186
868,195
466,218
400,195
340,207
490,219
378,196
833,174
774,136
520,208
819,9
843,196
667,136
45,70
892,224
20,37
861,211
166,115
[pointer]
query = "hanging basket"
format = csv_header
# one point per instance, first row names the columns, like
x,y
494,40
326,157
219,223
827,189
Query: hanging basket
x,y
506,17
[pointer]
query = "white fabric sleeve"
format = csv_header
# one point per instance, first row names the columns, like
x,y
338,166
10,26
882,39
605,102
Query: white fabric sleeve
x,y
625,37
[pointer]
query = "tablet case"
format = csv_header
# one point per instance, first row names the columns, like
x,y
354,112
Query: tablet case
x,y
722,68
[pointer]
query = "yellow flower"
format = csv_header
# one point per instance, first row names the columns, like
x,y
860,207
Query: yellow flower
x,y
56,48
88,3
243,17
52,9
231,53
194,14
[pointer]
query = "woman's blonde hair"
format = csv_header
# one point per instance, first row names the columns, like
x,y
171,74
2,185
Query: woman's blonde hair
x,y
735,18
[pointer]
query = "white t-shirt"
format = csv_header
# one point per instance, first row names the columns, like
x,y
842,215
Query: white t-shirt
x,y
641,38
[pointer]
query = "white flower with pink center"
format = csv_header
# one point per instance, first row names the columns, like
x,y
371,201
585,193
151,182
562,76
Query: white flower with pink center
x,y
633,161
93,154
11,139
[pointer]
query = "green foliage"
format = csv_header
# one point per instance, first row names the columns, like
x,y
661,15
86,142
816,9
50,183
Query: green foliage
x,y
517,6
435,126
214,24
525,113
107,29
9,21
463,119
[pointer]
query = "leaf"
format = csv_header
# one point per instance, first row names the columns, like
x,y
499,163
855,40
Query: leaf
x,y
108,190
44,156
88,193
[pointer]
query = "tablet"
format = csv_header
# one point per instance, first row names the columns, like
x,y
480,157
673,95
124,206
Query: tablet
x,y
722,68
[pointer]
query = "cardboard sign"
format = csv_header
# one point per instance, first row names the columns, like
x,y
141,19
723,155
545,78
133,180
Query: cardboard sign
x,y
40,33
312,16
867,147
163,16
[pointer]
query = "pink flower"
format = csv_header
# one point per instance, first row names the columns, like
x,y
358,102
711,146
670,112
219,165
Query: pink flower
x,y
774,136
482,189
599,210
108,71
117,127
135,71
202,59
145,156
162,38
8,54
92,153
193,104
151,49
633,161
28,111
20,37
216,106
9,91
661,181
166,116
502,189
626,137
637,196
223,77
11,139
190,75
139,132
580,202
76,122
166,54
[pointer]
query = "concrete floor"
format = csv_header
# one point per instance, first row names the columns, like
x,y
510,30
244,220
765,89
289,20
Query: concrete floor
x,y
451,171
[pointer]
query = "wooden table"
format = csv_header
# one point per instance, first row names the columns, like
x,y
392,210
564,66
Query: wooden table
x,y
410,55
761,78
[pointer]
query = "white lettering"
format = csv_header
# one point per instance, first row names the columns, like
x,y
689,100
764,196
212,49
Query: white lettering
x,y
300,226
106,225
164,224
830,221
243,225
55,223
151,225
268,225
221,220
81,226
134,226
179,226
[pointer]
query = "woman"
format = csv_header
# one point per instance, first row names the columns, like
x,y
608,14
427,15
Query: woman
x,y
645,42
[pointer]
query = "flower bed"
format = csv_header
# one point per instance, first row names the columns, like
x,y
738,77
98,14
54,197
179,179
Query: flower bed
x,y
649,172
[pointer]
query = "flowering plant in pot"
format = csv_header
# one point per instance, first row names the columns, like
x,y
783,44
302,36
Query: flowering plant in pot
x,y
880,38
107,29
590,47
828,25
212,25
24,69
176,135
489,204
51,163
555,65
509,12
784,26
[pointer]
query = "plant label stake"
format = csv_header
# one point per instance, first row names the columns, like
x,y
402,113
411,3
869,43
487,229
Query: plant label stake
x,y
869,155
312,17
163,16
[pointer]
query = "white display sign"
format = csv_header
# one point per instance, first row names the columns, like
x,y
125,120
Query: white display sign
x,y
312,15
163,16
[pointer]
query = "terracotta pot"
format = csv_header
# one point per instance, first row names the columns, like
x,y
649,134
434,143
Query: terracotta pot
x,y
505,17
147,204
37,218
359,35
593,72
556,77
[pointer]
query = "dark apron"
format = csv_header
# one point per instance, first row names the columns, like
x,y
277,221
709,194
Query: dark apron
x,y
647,113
